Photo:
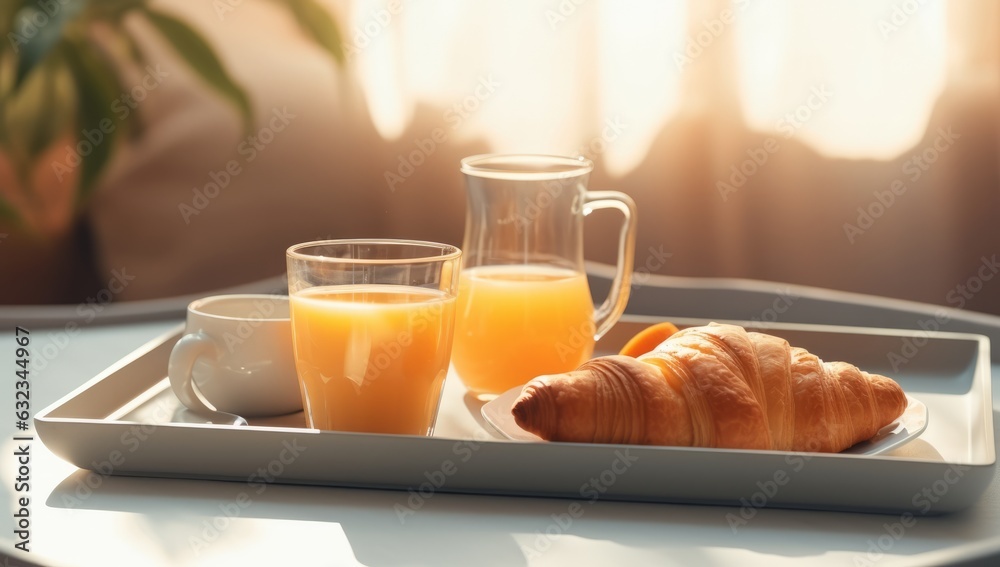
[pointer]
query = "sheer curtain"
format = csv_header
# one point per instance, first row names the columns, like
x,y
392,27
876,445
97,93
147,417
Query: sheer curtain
x,y
749,131
564,68
846,144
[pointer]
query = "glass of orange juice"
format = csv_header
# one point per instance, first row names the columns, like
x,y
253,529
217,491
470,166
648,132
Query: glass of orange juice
x,y
372,325
524,304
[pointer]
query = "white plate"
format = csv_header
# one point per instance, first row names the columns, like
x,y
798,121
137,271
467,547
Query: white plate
x,y
912,423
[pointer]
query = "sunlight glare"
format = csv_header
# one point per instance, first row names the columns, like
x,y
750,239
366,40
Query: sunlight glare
x,y
882,68
639,82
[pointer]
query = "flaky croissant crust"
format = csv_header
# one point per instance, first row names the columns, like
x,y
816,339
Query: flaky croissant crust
x,y
713,386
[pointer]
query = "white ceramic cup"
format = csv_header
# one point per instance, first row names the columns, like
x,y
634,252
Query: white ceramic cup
x,y
236,357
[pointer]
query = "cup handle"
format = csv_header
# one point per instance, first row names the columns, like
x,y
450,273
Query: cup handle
x,y
179,369
608,313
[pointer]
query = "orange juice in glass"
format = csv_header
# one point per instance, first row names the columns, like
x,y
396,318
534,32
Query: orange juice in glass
x,y
524,306
372,329
517,322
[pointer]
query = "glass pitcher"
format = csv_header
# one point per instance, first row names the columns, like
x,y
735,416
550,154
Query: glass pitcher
x,y
524,304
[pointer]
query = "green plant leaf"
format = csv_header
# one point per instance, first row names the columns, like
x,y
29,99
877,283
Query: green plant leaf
x,y
8,212
113,10
9,10
37,115
43,128
320,25
132,47
27,117
199,55
97,87
37,31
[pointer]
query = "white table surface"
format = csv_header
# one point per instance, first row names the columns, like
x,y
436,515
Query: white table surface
x,y
152,522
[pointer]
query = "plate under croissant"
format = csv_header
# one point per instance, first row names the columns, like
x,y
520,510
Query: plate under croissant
x,y
907,427
950,375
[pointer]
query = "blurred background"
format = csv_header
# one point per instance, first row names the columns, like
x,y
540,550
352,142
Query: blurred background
x,y
152,149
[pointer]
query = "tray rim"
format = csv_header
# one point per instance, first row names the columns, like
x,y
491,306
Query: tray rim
x,y
983,360
708,476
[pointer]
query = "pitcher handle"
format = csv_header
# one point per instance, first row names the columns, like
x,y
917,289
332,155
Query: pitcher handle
x,y
608,313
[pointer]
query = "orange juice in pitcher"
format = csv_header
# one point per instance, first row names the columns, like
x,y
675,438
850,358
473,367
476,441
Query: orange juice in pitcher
x,y
516,322
524,306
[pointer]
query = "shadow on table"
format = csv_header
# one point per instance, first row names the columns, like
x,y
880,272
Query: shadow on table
x,y
387,527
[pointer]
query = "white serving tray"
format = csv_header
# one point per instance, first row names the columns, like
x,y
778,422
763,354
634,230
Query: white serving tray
x,y
127,420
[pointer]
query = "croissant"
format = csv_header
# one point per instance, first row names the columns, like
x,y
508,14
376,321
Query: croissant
x,y
713,386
